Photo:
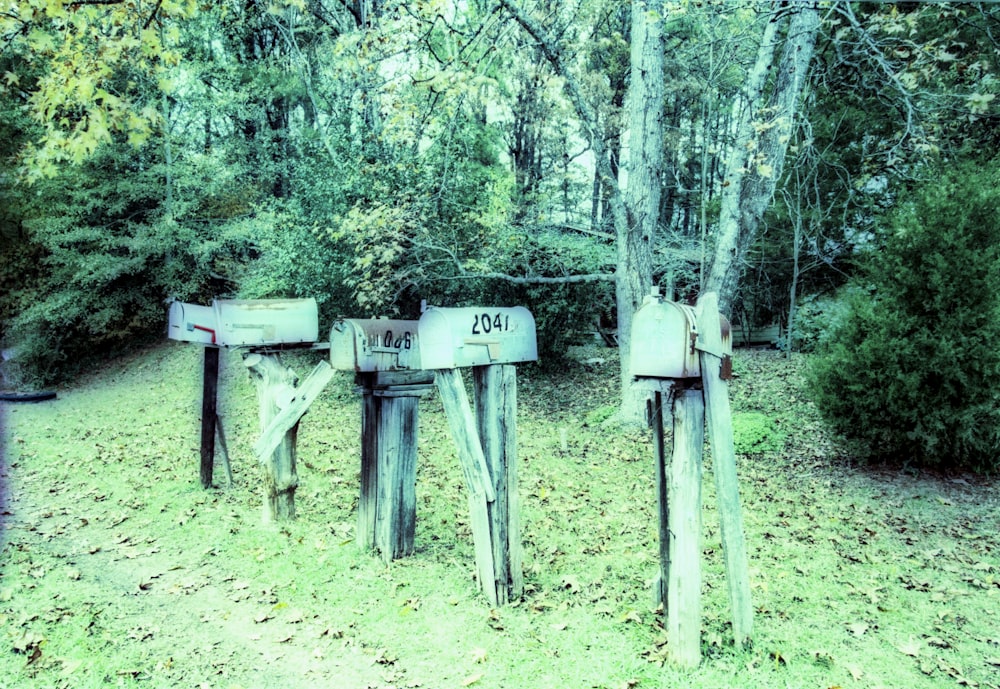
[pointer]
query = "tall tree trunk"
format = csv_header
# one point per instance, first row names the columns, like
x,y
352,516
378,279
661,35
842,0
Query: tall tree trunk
x,y
644,189
763,131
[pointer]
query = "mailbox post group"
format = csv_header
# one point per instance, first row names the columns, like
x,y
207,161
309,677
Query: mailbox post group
x,y
397,362
260,328
681,356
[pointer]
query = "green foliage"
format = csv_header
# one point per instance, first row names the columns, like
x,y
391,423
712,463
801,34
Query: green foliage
x,y
909,372
110,257
756,433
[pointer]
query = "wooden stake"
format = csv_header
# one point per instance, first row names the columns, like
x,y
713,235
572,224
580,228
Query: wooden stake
x,y
720,433
209,399
683,568
495,393
662,495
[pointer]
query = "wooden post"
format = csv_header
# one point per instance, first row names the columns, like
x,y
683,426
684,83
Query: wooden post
x,y
209,401
387,505
682,570
477,476
495,394
275,390
225,450
720,433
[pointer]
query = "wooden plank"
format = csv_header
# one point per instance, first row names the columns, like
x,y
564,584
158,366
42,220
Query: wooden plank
x,y
683,606
463,429
720,434
209,401
495,393
477,477
396,457
292,412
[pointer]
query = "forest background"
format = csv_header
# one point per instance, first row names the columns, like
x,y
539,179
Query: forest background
x,y
372,154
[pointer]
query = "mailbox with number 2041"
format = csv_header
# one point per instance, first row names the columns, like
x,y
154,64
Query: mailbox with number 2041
x,y
476,336
374,345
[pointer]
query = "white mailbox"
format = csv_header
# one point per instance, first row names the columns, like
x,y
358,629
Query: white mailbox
x,y
245,322
192,323
664,335
476,336
374,345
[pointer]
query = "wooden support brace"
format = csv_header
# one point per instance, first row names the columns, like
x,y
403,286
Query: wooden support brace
x,y
290,415
720,433
477,476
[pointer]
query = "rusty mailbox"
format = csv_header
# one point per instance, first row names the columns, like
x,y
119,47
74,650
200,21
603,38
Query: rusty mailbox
x,y
476,336
374,345
245,322
665,340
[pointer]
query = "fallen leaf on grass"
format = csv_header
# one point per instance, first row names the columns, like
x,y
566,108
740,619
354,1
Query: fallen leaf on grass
x,y
478,655
472,679
910,648
995,662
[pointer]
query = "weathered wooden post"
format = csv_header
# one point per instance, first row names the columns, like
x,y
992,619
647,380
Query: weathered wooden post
x,y
209,420
387,505
382,352
495,394
275,389
670,343
489,340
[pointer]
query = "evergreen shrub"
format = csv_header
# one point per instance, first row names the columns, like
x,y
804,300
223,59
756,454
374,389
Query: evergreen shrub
x,y
911,371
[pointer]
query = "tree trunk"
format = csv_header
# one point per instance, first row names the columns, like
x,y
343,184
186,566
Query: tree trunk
x,y
644,189
760,146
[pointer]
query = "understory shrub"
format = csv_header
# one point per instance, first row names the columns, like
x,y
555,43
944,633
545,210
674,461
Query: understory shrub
x,y
756,433
911,370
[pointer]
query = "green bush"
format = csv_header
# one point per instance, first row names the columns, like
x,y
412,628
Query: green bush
x,y
911,371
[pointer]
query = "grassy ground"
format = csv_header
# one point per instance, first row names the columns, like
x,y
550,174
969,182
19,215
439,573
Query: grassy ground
x,y
117,569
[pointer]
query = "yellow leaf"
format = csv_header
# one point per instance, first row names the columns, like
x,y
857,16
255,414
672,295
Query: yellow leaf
x,y
472,679
765,170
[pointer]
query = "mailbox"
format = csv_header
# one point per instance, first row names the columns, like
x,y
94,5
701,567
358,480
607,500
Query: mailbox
x,y
245,322
374,345
664,335
476,336
192,323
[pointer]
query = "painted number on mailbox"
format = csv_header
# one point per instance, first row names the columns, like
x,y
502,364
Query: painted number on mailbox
x,y
486,323
390,340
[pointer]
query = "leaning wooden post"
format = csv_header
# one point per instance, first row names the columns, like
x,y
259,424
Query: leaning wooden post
x,y
495,394
682,571
720,433
474,468
275,389
662,463
209,402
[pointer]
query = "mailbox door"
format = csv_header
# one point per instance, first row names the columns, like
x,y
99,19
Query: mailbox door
x,y
476,336
662,342
374,345
249,322
191,323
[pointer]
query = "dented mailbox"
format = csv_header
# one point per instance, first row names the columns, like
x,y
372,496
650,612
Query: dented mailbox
x,y
476,336
374,345
664,339
245,322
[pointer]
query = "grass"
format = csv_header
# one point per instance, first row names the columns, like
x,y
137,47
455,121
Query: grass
x,y
117,569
